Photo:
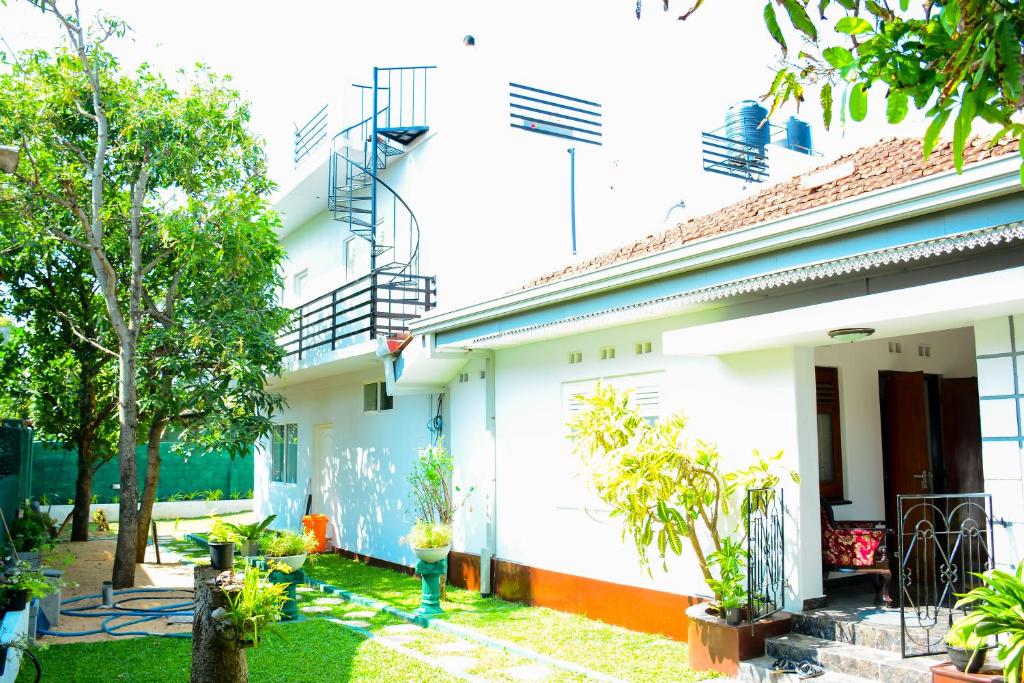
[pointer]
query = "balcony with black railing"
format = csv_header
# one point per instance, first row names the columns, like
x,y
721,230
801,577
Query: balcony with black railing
x,y
379,304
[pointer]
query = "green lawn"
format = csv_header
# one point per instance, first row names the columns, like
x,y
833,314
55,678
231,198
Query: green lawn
x,y
598,646
315,651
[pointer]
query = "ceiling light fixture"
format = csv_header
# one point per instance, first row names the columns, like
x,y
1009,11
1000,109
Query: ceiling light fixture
x,y
851,334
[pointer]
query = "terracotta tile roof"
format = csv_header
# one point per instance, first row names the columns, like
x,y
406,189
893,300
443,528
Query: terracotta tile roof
x,y
891,161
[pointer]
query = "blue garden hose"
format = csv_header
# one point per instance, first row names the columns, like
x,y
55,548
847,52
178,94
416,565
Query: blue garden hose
x,y
115,611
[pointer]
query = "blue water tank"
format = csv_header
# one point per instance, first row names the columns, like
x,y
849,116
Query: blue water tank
x,y
798,136
743,122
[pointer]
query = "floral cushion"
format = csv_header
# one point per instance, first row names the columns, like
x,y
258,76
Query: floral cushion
x,y
846,547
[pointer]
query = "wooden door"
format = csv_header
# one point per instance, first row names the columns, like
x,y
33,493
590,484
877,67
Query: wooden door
x,y
904,438
961,435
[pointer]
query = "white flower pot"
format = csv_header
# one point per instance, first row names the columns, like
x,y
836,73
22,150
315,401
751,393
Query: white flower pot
x,y
294,562
432,555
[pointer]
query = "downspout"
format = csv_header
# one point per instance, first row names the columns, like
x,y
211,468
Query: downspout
x,y
489,550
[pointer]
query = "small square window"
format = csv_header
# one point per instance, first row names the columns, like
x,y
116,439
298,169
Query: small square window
x,y
642,347
376,398
575,357
608,353
284,453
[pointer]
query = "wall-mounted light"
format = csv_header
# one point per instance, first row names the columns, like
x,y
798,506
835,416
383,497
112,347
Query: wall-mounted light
x,y
851,334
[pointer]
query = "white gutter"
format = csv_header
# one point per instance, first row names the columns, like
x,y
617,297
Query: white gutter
x,y
982,180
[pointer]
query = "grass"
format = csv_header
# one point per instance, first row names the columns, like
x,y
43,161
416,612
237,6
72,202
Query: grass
x,y
314,651
602,647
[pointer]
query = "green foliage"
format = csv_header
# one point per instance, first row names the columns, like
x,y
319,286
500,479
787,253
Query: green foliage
x,y
211,494
21,576
959,58
963,639
429,535
434,496
996,609
663,489
257,607
33,531
730,560
288,543
253,531
222,532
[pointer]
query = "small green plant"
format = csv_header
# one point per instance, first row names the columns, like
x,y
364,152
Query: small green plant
x,y
251,532
221,532
191,495
21,576
962,639
94,499
435,498
175,497
210,494
115,499
997,609
429,535
728,588
288,543
33,531
248,495
256,608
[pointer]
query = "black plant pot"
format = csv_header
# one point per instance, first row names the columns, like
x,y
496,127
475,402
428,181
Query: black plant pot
x,y
222,555
17,600
967,660
733,616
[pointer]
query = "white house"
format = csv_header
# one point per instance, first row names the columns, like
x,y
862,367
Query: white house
x,y
415,320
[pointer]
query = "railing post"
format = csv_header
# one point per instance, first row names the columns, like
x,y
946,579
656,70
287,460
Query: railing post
x,y
373,301
332,321
301,332
373,175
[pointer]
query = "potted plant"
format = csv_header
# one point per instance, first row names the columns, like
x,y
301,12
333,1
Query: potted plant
x,y
20,582
288,547
996,611
966,650
253,609
221,541
430,541
728,588
249,535
32,533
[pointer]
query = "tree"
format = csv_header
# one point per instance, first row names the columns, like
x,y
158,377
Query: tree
x,y
143,166
65,380
953,59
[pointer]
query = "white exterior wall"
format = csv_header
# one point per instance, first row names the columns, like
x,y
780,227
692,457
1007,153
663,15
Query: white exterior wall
x,y
952,355
1000,349
363,486
547,518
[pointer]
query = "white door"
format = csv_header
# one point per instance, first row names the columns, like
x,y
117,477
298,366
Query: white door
x,y
325,477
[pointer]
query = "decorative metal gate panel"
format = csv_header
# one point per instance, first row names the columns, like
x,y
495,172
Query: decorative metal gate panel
x,y
943,539
766,581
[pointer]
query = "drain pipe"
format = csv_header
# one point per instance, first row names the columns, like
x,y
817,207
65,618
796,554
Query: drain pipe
x,y
488,552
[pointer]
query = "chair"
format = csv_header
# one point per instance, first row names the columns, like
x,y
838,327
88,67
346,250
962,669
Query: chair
x,y
855,545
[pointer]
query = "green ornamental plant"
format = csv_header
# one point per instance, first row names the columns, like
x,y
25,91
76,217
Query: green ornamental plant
x,y
435,498
253,531
22,576
255,609
731,561
996,609
33,531
429,535
665,489
288,543
221,532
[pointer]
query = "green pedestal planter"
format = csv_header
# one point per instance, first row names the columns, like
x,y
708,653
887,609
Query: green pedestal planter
x,y
291,579
430,575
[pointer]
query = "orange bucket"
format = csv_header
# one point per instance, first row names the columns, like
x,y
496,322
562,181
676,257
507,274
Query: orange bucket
x,y
318,525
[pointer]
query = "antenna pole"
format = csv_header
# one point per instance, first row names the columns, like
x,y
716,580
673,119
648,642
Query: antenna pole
x,y
572,195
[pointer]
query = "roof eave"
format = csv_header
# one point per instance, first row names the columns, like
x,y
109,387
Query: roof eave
x,y
947,189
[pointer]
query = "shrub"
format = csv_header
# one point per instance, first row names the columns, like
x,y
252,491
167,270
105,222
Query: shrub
x,y
256,608
33,530
429,535
21,576
221,532
287,543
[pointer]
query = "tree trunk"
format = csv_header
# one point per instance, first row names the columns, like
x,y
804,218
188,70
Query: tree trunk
x,y
156,433
128,511
214,660
80,516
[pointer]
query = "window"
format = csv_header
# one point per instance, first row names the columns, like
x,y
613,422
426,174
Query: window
x,y
376,398
830,448
284,453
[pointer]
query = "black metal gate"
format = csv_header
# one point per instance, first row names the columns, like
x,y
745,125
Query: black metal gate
x,y
766,564
943,539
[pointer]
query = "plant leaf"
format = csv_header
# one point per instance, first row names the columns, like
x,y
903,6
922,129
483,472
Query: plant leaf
x,y
896,106
858,102
853,25
826,104
931,136
771,22
838,56
801,21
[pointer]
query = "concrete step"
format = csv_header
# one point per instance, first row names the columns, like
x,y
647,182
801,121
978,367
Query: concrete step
x,y
880,631
853,660
760,671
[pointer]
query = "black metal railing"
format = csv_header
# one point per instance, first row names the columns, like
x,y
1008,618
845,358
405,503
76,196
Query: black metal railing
x,y
943,541
766,560
380,303
309,135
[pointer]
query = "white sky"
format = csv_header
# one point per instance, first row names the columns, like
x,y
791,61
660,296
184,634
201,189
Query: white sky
x,y
288,58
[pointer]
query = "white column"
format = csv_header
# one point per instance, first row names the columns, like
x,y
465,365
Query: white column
x,y
999,344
